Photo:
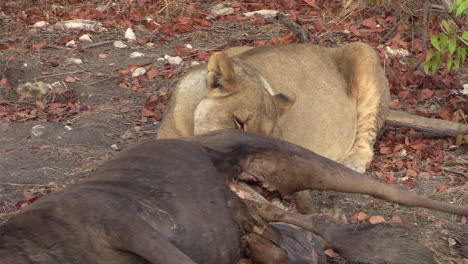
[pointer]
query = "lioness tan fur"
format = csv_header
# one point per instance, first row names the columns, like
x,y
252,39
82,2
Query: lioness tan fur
x,y
332,101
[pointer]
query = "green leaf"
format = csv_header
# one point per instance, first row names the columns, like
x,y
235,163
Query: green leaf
x,y
452,44
449,64
426,67
456,62
445,26
443,41
462,8
459,140
465,35
435,42
434,66
462,52
429,55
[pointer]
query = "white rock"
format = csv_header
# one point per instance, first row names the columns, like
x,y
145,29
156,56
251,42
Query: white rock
x,y
221,9
398,53
119,44
138,72
265,13
73,61
173,60
114,147
161,59
70,44
38,130
194,63
40,24
86,38
129,34
68,128
188,46
80,24
31,89
136,54
25,65
465,89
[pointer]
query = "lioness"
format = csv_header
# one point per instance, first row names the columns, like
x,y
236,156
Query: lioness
x,y
329,100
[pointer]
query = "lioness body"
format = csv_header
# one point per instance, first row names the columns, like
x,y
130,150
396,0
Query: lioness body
x,y
341,96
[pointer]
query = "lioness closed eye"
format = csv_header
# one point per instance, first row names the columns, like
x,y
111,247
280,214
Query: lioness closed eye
x,y
330,100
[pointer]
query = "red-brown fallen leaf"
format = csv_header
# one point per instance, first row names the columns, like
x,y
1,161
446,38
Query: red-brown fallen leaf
x,y
390,179
258,21
40,105
426,93
370,23
39,45
45,73
386,150
70,79
398,148
441,187
124,85
424,174
319,27
376,219
331,253
6,83
102,55
125,109
285,39
152,73
182,27
419,146
55,105
394,104
411,173
397,219
362,216
22,98
445,113
409,183
42,147
463,220
355,31
403,94
203,56
145,112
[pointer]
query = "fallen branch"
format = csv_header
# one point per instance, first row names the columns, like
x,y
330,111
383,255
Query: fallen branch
x,y
297,30
429,127
58,74
97,44
456,172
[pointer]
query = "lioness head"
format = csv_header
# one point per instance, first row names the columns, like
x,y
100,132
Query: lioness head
x,y
237,97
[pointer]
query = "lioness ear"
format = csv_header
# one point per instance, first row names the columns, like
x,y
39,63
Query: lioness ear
x,y
284,103
220,73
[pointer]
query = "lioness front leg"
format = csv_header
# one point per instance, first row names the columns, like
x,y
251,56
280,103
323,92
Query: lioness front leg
x,y
369,88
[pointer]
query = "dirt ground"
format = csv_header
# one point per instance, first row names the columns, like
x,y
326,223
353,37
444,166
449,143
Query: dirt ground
x,y
35,159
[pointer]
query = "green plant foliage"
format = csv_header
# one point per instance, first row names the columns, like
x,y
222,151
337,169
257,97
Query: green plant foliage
x,y
450,45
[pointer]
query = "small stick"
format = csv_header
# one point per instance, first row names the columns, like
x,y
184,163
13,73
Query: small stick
x,y
97,44
58,74
456,172
297,30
